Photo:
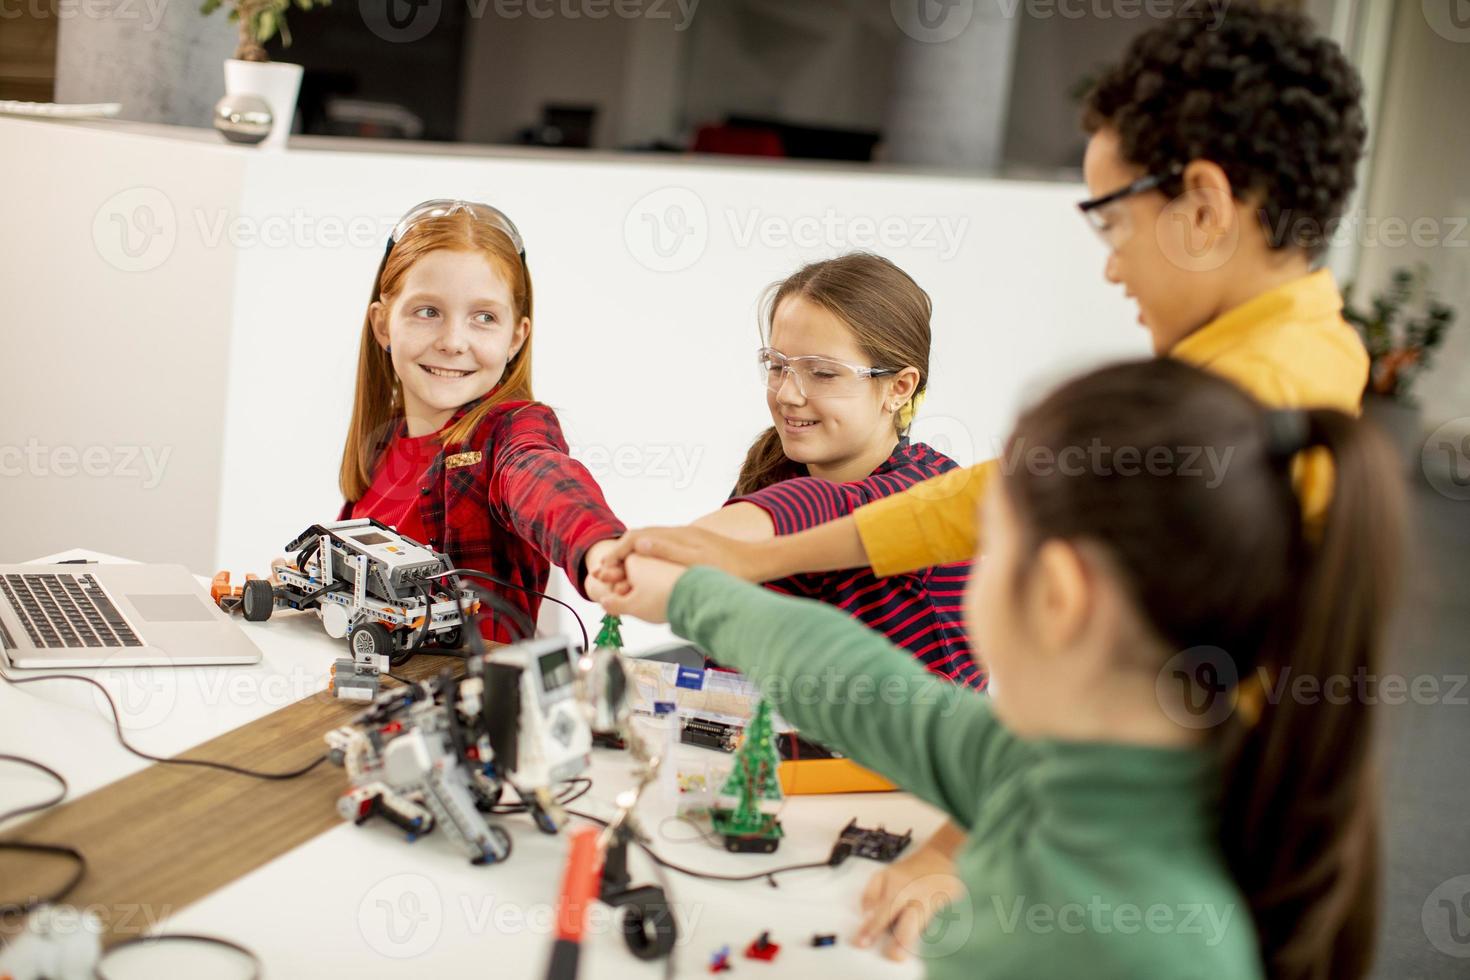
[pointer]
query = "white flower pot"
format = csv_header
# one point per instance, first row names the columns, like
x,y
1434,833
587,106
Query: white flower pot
x,y
273,81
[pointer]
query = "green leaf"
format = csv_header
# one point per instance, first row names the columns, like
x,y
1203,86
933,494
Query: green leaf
x,y
265,27
209,7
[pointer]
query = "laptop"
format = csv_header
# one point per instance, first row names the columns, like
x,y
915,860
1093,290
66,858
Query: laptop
x,y
106,615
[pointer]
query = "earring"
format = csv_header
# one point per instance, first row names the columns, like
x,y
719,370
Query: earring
x,y
388,349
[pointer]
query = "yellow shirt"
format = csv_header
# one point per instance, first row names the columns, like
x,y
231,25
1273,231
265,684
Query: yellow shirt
x,y
1289,347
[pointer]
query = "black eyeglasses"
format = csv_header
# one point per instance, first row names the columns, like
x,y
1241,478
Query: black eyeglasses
x,y
1092,208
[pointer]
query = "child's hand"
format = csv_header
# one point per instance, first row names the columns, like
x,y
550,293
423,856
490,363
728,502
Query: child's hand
x,y
901,899
597,587
686,546
650,583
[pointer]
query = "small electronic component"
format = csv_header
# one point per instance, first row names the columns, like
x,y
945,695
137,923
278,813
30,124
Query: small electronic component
x,y
824,939
719,961
875,845
711,734
761,948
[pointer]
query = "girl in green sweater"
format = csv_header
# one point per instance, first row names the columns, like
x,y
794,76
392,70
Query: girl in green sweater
x,y
1151,790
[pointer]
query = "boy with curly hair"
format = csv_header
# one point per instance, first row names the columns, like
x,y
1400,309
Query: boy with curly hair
x,y
1222,153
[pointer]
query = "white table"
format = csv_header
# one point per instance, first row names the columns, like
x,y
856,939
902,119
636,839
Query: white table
x,y
364,903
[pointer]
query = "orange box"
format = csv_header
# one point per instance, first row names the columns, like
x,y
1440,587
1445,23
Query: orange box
x,y
816,776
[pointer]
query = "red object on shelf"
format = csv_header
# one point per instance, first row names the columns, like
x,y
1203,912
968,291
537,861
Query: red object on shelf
x,y
742,141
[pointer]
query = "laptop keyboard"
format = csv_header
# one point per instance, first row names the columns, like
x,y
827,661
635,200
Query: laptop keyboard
x,y
66,611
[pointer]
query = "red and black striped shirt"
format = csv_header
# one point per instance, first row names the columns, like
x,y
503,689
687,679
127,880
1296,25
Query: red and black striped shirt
x,y
921,611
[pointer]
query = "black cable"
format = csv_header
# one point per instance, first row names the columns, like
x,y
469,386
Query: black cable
x,y
202,763
44,804
834,859
586,645
255,963
523,624
64,850
577,787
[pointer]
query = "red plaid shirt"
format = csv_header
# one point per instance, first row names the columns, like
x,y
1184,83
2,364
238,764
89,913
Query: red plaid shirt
x,y
510,501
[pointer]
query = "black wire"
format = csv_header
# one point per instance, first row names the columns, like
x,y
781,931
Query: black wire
x,y
524,626
709,875
202,763
255,963
44,804
64,850
577,787
586,646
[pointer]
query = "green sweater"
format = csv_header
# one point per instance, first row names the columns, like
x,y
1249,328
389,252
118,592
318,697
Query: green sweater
x,y
1084,859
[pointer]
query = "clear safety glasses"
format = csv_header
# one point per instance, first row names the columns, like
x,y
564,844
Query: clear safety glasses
x,y
1106,215
815,376
443,207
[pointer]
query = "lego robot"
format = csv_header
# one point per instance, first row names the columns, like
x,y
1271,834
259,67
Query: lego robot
x,y
439,753
385,593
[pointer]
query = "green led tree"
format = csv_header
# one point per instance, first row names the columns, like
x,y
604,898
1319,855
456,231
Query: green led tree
x,y
754,783
611,635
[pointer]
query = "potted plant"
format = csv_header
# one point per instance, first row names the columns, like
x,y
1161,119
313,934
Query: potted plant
x,y
251,72
1402,328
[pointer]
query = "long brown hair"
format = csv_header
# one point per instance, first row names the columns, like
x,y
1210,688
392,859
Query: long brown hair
x,y
886,311
377,406
1230,567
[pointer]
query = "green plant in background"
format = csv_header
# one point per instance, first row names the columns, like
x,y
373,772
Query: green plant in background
x,y
259,21
1402,328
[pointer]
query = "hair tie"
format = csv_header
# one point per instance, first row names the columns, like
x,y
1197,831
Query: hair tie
x,y
1287,432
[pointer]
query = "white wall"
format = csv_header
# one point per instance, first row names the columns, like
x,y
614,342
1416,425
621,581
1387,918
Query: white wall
x,y
646,367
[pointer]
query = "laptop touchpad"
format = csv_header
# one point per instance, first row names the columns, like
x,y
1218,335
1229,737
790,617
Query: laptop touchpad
x,y
180,607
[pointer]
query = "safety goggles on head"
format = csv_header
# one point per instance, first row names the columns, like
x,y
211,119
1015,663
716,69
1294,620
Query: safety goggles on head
x,y
816,376
443,207
1111,221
